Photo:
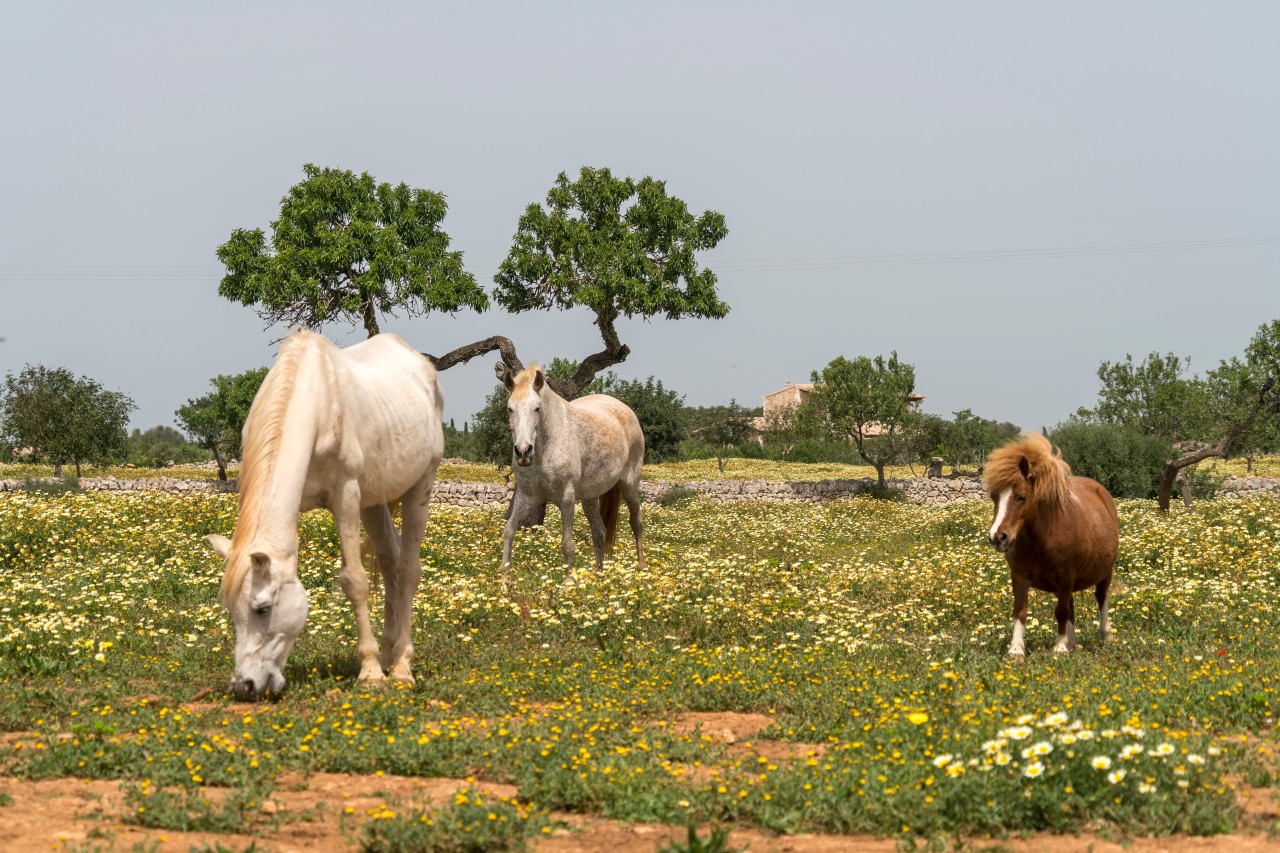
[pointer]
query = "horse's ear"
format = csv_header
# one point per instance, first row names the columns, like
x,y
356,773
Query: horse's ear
x,y
538,379
504,374
1024,465
221,544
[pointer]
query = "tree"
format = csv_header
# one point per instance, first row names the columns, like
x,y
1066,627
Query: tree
x,y
786,427
1155,397
216,419
348,248
868,401
1245,402
723,427
64,418
1123,459
161,445
659,410
615,246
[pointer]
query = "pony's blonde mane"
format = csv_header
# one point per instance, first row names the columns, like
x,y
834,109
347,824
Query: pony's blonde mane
x,y
264,428
1050,474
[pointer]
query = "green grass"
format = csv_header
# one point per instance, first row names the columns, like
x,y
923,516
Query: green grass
x,y
875,632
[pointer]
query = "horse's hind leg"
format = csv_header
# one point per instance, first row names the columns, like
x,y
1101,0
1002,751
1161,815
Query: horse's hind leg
x,y
1104,617
1066,616
591,509
1021,589
402,584
631,494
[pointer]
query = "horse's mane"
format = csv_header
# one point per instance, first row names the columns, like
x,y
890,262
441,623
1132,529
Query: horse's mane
x,y
263,430
1050,475
524,380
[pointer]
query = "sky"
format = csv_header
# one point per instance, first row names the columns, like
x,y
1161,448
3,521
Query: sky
x,y
1004,193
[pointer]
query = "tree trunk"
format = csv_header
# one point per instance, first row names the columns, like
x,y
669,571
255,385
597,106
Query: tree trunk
x,y
222,466
57,470
880,482
370,318
1267,398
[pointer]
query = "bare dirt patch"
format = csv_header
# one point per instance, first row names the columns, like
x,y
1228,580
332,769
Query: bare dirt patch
x,y
323,814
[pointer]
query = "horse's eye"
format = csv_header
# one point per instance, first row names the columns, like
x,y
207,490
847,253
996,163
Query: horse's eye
x,y
1022,499
263,610
537,408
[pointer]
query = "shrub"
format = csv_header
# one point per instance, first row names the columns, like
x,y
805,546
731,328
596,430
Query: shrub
x,y
1127,462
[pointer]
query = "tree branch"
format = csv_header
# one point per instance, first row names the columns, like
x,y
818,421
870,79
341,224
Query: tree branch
x,y
465,353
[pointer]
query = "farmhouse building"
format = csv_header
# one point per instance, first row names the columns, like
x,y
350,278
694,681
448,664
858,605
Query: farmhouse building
x,y
790,396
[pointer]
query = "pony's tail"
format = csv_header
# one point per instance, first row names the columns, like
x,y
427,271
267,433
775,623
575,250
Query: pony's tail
x,y
609,503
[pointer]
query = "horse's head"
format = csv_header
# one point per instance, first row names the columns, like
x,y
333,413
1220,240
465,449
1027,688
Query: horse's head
x,y
1023,478
269,607
1011,510
524,409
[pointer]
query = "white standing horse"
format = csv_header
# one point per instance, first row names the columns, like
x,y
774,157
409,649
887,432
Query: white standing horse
x,y
347,429
589,450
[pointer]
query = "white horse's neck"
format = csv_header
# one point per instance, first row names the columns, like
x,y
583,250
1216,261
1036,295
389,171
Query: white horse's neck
x,y
283,442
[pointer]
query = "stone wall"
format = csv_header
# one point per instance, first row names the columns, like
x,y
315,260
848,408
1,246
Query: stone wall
x,y
458,493
929,492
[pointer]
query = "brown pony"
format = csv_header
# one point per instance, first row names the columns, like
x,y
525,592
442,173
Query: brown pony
x,y
1058,532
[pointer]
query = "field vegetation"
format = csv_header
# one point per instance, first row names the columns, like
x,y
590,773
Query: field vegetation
x,y
869,635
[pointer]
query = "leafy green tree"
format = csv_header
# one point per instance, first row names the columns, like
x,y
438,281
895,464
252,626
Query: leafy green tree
x,y
723,427
659,410
788,427
64,418
349,248
1126,461
215,420
868,401
1154,397
161,445
615,246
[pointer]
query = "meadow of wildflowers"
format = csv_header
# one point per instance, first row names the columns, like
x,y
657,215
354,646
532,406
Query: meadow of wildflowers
x,y
874,633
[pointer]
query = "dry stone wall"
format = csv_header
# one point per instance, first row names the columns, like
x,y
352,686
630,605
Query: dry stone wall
x,y
924,491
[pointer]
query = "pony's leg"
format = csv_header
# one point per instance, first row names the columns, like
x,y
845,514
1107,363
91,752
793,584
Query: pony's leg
x,y
1021,590
591,509
631,494
345,505
402,584
1065,614
1104,616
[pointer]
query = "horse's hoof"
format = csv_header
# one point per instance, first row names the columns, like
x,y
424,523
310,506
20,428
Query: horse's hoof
x,y
1061,650
1017,657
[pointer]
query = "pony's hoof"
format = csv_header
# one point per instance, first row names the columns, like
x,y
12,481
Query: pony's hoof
x,y
1061,650
1017,657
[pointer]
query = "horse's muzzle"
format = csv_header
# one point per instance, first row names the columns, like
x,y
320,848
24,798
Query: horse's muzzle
x,y
523,458
248,690
1001,542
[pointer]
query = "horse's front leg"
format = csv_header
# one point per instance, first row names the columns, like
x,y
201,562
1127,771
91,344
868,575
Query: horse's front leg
x,y
402,584
1065,613
591,509
566,503
354,579
1021,590
520,506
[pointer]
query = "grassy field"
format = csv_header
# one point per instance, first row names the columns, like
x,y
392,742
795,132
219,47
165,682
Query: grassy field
x,y
871,635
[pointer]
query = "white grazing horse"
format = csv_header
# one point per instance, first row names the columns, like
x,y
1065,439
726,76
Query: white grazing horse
x,y
347,429
589,450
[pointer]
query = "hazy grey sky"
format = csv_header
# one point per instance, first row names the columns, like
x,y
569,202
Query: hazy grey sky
x,y
138,135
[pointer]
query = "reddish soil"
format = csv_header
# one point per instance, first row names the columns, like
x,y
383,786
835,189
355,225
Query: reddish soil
x,y
323,813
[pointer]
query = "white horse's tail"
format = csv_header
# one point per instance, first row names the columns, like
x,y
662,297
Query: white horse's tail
x,y
609,503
